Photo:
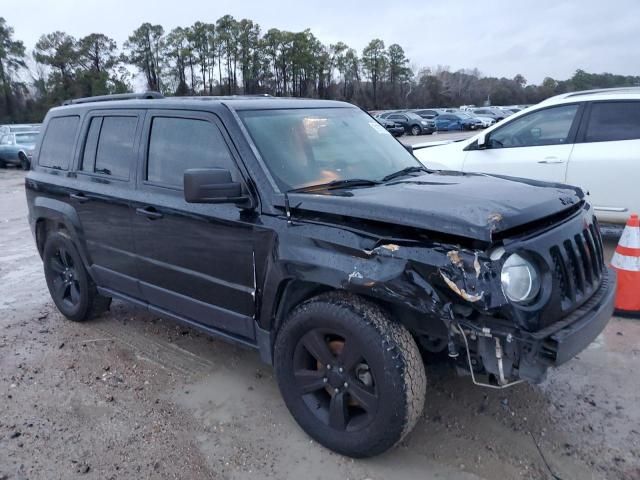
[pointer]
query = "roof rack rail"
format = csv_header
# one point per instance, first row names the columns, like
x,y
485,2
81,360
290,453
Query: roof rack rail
x,y
116,96
632,89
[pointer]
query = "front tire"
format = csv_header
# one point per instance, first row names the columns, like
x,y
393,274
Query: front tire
x,y
353,379
70,286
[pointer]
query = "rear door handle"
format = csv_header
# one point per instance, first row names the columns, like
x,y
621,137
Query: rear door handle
x,y
551,160
149,212
80,197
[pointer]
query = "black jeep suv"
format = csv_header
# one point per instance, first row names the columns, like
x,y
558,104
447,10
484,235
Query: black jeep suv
x,y
304,230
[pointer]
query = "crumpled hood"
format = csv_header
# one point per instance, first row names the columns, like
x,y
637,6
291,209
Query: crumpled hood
x,y
469,205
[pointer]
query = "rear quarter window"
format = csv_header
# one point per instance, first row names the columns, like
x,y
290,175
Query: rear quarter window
x,y
611,121
58,142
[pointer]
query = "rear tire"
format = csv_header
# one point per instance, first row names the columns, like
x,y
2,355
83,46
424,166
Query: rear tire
x,y
416,130
69,283
353,379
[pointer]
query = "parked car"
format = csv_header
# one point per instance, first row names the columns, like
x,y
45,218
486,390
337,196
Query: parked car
x,y
457,121
22,127
486,121
294,228
590,139
395,129
494,112
412,123
17,149
427,113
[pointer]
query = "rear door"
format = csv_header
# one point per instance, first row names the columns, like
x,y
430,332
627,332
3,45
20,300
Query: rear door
x,y
536,145
606,159
102,196
196,261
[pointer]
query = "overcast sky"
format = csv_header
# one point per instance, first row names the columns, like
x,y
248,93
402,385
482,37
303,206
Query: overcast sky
x,y
503,37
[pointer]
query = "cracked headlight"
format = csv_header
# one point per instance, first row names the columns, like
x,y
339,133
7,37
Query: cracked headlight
x,y
520,279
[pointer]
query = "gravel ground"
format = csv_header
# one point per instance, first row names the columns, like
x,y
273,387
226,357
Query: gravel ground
x,y
131,396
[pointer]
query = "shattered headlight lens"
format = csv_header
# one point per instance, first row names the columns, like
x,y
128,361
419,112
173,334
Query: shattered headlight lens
x,y
520,279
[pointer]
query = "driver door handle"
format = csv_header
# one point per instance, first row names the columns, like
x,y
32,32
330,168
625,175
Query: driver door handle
x,y
551,160
149,212
80,197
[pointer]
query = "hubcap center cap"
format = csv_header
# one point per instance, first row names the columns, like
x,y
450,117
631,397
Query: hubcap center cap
x,y
336,379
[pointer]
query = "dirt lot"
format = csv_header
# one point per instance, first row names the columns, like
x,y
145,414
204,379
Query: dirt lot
x,y
131,396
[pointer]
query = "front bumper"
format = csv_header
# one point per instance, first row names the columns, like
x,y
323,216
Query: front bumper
x,y
528,355
565,339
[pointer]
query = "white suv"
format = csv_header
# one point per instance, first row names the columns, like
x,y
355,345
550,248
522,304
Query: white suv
x,y
590,139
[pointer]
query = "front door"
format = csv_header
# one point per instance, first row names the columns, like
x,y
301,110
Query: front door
x,y
537,145
196,261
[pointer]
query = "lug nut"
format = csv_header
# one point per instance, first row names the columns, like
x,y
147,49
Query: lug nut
x,y
328,367
325,380
336,390
341,370
346,384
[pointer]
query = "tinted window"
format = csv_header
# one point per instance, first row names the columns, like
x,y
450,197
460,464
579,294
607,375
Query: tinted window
x,y
550,126
115,146
612,121
397,117
178,144
58,142
5,140
89,154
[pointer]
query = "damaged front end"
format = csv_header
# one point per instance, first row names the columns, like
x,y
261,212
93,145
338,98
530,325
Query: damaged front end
x,y
502,335
451,295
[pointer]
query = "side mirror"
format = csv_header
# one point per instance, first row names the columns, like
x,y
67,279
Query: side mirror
x,y
211,185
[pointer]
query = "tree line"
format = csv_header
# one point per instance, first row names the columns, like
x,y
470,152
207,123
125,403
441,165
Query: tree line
x,y
232,57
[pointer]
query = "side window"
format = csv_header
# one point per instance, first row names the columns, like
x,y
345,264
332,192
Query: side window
x,y
58,142
4,140
108,148
611,121
178,144
114,154
395,117
90,146
550,126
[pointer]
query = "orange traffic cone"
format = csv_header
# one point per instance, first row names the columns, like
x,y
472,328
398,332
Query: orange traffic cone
x,y
626,261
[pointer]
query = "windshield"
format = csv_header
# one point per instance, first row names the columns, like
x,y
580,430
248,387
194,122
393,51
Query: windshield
x,y
304,147
26,138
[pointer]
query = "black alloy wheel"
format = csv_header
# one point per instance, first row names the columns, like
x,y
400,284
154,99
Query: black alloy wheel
x,y
70,286
66,289
335,380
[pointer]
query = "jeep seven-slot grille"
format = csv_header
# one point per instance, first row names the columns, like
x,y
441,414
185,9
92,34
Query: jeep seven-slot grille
x,y
578,264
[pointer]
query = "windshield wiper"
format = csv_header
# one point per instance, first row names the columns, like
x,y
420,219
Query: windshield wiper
x,y
405,171
335,184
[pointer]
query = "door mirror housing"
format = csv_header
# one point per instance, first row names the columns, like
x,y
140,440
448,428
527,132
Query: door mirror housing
x,y
211,185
